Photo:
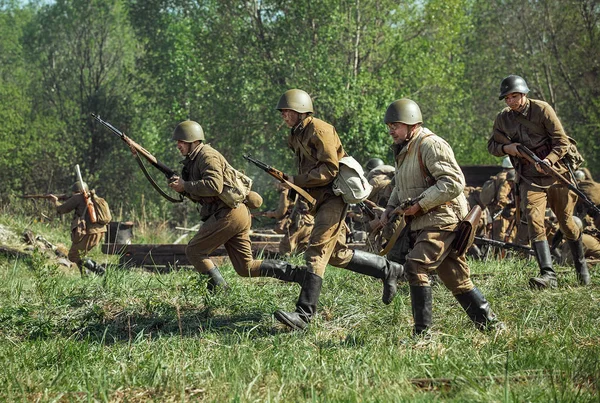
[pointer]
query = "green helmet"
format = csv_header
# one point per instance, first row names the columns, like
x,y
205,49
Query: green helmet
x,y
76,188
296,100
404,111
512,84
188,131
373,163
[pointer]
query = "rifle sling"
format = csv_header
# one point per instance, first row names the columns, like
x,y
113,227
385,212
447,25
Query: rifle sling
x,y
153,183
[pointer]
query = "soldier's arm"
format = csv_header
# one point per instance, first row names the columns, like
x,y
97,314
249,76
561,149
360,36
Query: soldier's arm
x,y
211,183
327,167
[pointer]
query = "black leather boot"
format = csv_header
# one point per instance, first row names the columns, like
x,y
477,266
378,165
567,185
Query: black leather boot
x,y
421,302
93,267
282,270
583,275
478,309
216,281
547,277
378,267
306,307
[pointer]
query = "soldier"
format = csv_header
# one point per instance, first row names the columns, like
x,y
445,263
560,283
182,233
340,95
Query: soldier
x,y
85,235
318,150
425,166
534,124
206,178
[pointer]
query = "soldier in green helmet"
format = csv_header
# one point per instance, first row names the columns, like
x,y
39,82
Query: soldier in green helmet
x,y
426,167
206,178
85,235
318,149
534,124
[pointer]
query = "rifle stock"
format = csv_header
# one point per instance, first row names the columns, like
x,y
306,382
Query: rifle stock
x,y
401,230
530,156
281,177
86,197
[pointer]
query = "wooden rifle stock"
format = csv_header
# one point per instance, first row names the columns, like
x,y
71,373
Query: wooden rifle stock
x,y
281,177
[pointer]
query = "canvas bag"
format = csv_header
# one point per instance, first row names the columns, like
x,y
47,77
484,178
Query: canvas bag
x,y
350,182
236,187
103,215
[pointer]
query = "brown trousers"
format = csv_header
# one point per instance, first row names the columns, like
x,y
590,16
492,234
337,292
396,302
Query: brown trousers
x,y
327,242
229,227
560,200
432,251
82,245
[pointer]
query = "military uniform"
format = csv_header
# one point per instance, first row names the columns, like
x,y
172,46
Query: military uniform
x,y
84,234
205,173
318,150
426,168
538,190
294,222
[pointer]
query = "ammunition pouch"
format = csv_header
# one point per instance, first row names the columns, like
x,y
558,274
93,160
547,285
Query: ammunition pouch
x,y
465,231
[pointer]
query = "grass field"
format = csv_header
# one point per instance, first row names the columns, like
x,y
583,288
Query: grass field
x,y
134,336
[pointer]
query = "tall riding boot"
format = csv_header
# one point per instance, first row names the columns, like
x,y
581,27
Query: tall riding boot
x,y
421,301
547,278
282,270
583,275
478,309
216,281
378,267
306,307
93,267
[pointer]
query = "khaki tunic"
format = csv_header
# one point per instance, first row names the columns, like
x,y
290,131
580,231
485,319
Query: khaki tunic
x,y
205,172
318,150
538,190
444,205
84,234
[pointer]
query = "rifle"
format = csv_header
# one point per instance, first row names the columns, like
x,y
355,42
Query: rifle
x,y
281,177
138,150
86,197
46,196
534,159
504,245
401,230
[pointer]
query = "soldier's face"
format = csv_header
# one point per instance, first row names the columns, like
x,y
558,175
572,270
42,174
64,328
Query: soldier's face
x,y
398,131
515,101
290,117
183,147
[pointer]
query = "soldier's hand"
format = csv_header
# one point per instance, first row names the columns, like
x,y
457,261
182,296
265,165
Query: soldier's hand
x,y
53,198
412,210
511,149
176,184
385,216
540,168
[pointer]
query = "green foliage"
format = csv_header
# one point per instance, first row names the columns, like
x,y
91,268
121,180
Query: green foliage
x,y
146,65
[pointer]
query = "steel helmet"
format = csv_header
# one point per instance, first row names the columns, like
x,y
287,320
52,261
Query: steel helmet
x,y
296,100
373,163
579,175
404,111
188,131
76,188
578,222
512,84
506,163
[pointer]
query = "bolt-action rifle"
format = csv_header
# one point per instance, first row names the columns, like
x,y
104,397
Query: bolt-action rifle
x,y
401,230
46,196
138,150
530,156
504,245
87,197
281,177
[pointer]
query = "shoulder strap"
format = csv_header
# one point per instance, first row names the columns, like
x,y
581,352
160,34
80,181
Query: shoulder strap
x,y
424,171
534,127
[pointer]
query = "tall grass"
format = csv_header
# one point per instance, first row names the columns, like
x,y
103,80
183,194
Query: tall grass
x,y
135,336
